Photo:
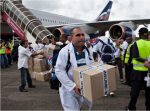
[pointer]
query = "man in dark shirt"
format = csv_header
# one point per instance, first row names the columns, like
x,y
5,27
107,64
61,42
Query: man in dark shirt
x,y
127,61
139,72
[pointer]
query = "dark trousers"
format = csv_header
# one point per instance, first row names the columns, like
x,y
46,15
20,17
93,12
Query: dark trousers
x,y
9,59
25,76
128,71
137,84
3,61
118,62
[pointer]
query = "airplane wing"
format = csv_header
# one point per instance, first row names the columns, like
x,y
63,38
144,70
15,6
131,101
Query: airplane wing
x,y
109,23
103,25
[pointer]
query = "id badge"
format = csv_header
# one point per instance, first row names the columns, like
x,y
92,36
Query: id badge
x,y
148,82
147,79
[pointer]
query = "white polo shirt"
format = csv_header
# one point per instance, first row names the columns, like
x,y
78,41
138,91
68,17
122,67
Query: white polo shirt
x,y
23,54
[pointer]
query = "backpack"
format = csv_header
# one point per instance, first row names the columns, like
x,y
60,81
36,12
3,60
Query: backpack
x,y
54,82
107,51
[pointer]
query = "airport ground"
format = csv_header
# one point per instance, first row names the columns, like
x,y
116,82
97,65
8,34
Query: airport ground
x,y
44,98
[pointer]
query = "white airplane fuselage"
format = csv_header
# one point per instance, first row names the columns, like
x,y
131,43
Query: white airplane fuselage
x,y
49,19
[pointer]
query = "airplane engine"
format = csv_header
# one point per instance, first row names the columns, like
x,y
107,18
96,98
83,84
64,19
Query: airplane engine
x,y
62,31
58,32
120,31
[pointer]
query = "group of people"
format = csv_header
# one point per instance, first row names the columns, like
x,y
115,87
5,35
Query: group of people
x,y
6,50
135,55
77,51
26,50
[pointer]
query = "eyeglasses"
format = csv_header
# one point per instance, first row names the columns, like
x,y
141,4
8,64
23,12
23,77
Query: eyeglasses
x,y
77,35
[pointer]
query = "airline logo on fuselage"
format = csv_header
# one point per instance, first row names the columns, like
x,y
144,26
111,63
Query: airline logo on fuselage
x,y
104,16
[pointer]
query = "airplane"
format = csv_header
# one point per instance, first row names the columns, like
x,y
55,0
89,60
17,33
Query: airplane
x,y
55,22
117,28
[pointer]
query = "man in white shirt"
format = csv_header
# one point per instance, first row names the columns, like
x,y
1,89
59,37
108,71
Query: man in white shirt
x,y
97,48
24,54
75,54
38,46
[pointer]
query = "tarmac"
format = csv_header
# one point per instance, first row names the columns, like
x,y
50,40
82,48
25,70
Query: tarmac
x,y
44,98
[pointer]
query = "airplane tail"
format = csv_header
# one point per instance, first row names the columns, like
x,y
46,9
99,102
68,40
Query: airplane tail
x,y
104,15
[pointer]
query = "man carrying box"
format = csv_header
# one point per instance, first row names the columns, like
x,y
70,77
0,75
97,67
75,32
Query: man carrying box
x,y
24,55
78,55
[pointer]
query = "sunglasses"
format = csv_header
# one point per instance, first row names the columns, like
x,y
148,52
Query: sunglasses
x,y
78,35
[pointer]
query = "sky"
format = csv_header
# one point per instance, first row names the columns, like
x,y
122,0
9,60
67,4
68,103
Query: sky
x,y
88,10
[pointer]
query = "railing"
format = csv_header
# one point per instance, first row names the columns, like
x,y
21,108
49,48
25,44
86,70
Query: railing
x,y
24,19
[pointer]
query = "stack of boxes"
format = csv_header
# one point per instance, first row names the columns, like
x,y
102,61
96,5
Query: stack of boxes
x,y
38,66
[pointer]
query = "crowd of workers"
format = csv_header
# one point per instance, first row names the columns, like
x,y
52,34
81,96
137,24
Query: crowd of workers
x,y
6,50
72,49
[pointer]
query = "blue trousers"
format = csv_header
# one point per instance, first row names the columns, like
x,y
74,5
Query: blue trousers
x,y
3,61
